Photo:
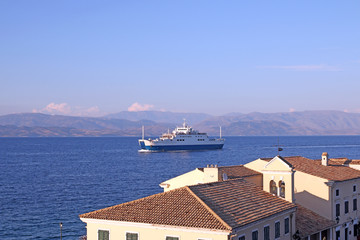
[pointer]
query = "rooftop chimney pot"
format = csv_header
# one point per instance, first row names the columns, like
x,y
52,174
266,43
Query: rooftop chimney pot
x,y
325,159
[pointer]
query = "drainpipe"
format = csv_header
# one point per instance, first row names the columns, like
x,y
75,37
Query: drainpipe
x,y
330,184
291,224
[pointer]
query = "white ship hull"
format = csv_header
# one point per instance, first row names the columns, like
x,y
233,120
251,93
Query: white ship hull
x,y
212,144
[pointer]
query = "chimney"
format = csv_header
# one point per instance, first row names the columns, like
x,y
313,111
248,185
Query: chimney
x,y
211,174
325,159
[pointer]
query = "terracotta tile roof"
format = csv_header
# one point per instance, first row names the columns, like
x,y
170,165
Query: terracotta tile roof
x,y
237,171
239,202
220,205
178,207
308,222
343,161
334,172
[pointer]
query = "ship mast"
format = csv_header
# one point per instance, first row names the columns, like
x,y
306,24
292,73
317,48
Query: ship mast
x,y
143,132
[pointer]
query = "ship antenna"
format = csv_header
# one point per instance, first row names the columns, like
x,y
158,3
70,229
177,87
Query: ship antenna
x,y
220,132
184,125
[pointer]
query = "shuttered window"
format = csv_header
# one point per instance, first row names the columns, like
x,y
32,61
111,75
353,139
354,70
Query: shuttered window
x,y
103,235
277,229
354,204
131,236
287,226
267,233
172,238
337,210
255,235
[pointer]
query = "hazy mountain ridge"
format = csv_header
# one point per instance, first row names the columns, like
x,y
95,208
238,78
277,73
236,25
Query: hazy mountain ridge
x,y
233,124
38,124
159,116
292,123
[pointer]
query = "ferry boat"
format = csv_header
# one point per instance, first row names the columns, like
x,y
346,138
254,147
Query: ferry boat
x,y
182,138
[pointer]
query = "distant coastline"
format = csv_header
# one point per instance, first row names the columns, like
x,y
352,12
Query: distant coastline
x,y
305,123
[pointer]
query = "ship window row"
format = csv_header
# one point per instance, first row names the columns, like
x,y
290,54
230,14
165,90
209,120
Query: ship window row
x,y
201,139
180,140
266,231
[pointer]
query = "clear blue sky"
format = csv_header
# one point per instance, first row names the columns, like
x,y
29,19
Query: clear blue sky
x,y
186,56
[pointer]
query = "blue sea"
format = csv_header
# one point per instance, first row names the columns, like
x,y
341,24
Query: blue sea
x,y
45,181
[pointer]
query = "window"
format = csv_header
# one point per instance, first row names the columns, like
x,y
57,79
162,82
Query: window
x,y
354,204
356,229
346,233
172,238
255,235
354,188
267,233
277,229
103,235
225,177
242,238
273,188
282,189
131,236
337,192
346,207
338,235
287,225
338,209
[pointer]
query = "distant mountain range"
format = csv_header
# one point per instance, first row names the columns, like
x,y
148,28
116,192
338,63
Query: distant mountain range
x,y
156,122
158,116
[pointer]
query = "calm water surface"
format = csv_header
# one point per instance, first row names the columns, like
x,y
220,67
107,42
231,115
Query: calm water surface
x,y
45,181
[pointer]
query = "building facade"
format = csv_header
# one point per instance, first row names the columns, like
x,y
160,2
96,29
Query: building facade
x,y
268,198
223,210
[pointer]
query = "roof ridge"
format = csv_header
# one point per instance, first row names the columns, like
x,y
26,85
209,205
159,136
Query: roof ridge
x,y
241,165
132,201
208,208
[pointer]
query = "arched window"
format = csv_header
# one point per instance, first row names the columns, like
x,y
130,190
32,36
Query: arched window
x,y
273,188
282,189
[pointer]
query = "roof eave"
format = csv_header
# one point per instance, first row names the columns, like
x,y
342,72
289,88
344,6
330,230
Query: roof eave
x,y
151,225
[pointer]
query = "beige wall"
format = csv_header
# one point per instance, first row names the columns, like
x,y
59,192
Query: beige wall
x,y
151,232
197,176
302,188
312,193
148,232
355,166
257,180
259,226
190,178
256,165
286,177
278,171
